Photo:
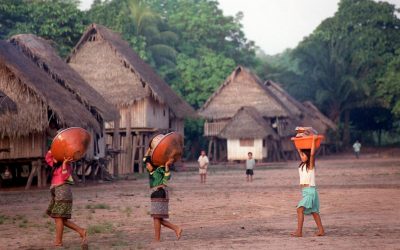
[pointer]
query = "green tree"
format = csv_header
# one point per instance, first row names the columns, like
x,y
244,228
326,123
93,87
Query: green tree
x,y
142,27
346,54
58,21
201,75
389,86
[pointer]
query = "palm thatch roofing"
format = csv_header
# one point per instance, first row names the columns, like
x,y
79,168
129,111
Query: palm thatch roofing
x,y
6,104
96,42
46,58
243,88
247,123
308,115
319,115
37,97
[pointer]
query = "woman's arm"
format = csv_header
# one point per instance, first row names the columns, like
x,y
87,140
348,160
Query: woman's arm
x,y
312,154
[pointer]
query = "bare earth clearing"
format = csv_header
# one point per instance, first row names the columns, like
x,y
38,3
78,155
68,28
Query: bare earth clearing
x,y
360,209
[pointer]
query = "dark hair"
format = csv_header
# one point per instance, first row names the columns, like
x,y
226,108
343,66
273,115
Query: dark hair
x,y
307,152
250,153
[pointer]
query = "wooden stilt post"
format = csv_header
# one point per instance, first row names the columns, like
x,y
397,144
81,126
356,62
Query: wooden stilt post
x,y
210,142
116,146
135,146
128,163
33,171
141,153
39,174
215,150
44,175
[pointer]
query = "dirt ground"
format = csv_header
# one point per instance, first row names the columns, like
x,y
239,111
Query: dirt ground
x,y
360,209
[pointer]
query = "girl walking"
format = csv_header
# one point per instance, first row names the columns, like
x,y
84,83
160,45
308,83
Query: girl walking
x,y
309,204
60,207
158,179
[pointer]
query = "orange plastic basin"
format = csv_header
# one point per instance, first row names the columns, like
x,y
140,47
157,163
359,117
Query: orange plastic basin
x,y
170,148
70,143
306,142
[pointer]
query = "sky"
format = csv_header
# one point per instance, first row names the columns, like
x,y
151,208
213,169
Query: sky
x,y
275,25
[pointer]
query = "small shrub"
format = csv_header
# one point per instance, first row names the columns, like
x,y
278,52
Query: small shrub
x,y
105,227
98,206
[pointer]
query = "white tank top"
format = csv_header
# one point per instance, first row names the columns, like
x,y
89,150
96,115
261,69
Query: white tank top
x,y
307,177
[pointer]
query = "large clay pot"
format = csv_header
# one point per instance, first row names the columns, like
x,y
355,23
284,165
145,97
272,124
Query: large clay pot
x,y
305,142
168,148
70,143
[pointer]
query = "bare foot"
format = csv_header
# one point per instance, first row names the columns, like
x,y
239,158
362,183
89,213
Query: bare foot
x,y
57,245
297,234
320,233
178,233
84,242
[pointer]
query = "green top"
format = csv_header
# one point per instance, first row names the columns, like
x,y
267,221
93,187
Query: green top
x,y
158,176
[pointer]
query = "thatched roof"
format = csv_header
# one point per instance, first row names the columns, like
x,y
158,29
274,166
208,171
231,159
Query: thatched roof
x,y
6,104
307,114
242,88
292,104
127,78
319,115
247,123
35,93
46,58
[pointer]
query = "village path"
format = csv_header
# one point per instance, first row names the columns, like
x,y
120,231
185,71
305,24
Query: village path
x,y
360,208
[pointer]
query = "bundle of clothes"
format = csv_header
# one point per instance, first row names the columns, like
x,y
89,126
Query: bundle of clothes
x,y
305,131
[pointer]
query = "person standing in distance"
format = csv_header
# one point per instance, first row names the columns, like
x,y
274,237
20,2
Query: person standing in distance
x,y
203,165
250,163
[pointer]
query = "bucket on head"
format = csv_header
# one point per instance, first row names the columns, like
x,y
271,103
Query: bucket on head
x,y
70,143
166,148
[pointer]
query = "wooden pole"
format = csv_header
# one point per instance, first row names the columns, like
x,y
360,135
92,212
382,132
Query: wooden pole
x,y
39,174
128,160
33,171
215,150
135,146
210,142
116,146
141,153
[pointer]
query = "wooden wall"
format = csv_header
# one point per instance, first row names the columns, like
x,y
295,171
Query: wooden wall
x,y
146,113
157,114
178,125
213,128
238,152
31,146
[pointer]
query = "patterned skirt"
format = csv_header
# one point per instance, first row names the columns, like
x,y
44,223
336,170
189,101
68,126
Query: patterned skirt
x,y
159,204
310,200
61,202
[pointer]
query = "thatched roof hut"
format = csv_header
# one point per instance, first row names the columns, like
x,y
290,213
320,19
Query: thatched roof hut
x,y
45,57
307,114
6,104
116,84
36,96
247,123
242,88
323,121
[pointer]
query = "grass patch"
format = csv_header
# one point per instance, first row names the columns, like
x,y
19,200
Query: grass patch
x,y
22,225
105,227
3,219
98,206
128,211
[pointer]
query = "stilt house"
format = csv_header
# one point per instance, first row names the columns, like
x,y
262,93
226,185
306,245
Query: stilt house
x,y
242,88
45,57
146,103
247,132
308,115
38,101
